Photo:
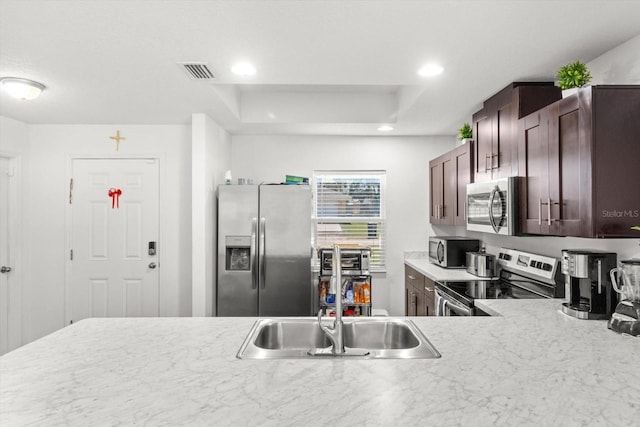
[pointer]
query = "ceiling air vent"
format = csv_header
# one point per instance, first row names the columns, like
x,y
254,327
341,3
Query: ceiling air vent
x,y
197,70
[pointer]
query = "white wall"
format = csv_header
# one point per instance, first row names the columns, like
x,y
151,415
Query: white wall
x,y
620,65
51,147
210,158
405,159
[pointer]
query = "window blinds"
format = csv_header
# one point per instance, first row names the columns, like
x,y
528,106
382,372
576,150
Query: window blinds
x,y
349,209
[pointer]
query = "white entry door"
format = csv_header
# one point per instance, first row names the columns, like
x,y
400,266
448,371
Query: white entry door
x,y
10,295
114,242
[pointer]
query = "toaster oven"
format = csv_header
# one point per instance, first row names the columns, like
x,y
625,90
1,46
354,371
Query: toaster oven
x,y
355,261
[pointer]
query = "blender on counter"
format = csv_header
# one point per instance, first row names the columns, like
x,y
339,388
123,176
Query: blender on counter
x,y
626,317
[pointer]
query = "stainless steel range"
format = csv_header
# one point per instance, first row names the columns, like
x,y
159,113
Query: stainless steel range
x,y
523,275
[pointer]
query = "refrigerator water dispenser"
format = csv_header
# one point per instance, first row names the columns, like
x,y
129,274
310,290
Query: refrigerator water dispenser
x,y
238,253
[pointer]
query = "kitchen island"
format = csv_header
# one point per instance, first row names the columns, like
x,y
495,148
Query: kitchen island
x,y
530,366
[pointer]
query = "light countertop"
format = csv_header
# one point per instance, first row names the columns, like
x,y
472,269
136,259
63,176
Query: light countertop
x,y
435,272
531,366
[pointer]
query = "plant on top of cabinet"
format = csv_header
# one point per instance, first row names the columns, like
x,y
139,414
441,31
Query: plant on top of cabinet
x,y
465,132
574,74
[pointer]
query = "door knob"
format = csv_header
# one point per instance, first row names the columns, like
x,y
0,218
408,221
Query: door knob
x,y
152,265
5,269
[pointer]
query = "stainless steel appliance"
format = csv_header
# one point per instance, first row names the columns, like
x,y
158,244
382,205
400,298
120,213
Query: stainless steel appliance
x,y
451,251
481,264
492,206
264,250
591,293
522,275
355,261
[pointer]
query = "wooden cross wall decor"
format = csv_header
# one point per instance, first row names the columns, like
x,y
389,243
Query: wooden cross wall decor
x,y
117,138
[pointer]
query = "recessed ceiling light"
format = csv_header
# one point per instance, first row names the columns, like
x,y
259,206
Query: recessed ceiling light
x,y
23,89
385,128
243,69
430,70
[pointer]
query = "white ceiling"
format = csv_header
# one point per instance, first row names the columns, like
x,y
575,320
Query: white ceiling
x,y
324,67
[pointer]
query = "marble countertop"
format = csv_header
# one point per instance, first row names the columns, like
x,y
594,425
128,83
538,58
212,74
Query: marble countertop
x,y
435,272
530,366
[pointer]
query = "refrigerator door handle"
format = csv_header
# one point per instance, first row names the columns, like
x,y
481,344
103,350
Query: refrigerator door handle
x,y
252,249
261,262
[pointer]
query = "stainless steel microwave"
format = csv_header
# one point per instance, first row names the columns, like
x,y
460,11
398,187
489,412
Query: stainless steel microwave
x,y
451,251
492,206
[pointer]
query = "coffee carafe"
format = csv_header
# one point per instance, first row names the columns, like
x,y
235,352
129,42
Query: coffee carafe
x,y
626,318
589,288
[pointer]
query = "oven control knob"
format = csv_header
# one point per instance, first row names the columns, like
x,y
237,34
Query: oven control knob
x,y
506,257
546,267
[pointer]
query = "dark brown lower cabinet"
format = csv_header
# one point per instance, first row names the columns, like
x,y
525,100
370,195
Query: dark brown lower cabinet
x,y
419,294
580,158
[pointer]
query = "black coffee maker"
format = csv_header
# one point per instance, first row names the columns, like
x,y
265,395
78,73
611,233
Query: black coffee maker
x,y
589,289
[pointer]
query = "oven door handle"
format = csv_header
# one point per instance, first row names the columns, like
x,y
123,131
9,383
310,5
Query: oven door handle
x,y
446,305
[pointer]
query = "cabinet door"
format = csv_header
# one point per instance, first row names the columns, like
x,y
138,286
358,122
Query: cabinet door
x,y
462,158
435,190
448,191
504,141
430,296
482,129
533,157
566,189
414,293
421,302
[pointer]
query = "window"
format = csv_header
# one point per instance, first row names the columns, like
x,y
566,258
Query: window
x,y
349,209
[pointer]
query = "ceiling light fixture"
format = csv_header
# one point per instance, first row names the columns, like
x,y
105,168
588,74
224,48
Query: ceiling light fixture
x,y
385,128
23,89
430,70
243,69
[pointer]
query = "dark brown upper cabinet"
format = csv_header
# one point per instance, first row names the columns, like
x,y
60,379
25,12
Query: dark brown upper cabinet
x,y
495,127
449,175
581,160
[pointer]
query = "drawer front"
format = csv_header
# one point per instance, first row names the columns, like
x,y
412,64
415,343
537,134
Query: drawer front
x,y
413,277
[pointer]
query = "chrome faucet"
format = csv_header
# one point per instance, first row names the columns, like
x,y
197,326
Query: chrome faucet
x,y
335,333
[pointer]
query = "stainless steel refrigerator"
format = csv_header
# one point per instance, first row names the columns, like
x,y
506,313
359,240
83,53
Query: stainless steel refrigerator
x,y
264,250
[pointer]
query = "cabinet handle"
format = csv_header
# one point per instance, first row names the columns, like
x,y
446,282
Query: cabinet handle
x,y
492,156
428,289
539,211
486,159
411,277
549,220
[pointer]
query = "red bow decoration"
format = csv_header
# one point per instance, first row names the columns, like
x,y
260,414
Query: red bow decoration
x,y
115,193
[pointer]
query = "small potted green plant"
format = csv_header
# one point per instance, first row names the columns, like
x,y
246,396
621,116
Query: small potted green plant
x,y
572,77
465,133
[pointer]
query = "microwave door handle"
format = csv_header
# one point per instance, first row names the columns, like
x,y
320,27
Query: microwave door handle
x,y
491,198
440,245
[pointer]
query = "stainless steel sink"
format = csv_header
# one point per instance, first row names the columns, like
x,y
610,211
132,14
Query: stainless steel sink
x,y
382,338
